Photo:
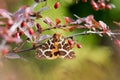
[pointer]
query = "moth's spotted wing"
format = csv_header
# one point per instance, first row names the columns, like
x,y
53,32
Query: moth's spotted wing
x,y
55,47
44,51
66,51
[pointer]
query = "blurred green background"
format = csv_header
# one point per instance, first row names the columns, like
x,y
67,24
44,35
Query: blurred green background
x,y
98,59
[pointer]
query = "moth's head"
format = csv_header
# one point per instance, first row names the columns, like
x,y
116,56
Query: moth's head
x,y
56,37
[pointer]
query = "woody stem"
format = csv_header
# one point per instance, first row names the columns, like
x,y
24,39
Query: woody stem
x,y
93,32
77,34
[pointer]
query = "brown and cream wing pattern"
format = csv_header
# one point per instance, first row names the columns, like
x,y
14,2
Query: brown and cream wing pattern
x,y
54,48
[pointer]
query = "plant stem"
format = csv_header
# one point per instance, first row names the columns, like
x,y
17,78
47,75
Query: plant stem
x,y
77,34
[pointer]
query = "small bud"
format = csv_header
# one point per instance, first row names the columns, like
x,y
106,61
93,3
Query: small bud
x,y
102,5
117,42
78,45
72,28
108,7
23,24
39,29
70,42
21,33
34,45
10,21
57,21
66,20
95,6
56,5
24,7
31,31
4,51
17,35
8,25
84,0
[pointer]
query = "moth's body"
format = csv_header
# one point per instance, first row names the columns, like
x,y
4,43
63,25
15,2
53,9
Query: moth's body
x,y
55,47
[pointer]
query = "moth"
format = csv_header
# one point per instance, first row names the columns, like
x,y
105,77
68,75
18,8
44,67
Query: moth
x,y
55,47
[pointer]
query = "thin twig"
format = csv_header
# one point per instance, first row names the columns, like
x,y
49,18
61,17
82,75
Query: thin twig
x,y
29,49
20,46
93,32
55,27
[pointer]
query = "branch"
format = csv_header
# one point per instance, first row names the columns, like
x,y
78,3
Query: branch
x,y
55,27
28,49
94,32
77,34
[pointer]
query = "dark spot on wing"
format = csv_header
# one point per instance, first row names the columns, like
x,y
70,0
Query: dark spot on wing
x,y
39,52
51,55
48,42
63,43
56,53
59,46
44,46
62,53
67,57
72,54
48,53
66,47
42,57
52,46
